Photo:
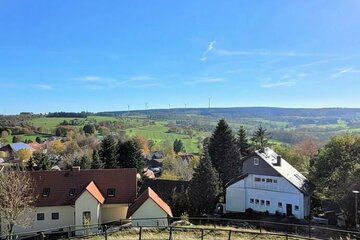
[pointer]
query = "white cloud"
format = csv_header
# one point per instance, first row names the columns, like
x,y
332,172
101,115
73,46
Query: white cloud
x,y
210,47
94,87
342,71
93,79
271,84
205,80
225,52
43,86
141,78
99,83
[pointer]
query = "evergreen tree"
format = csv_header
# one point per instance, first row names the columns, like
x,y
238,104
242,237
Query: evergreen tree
x,y
129,155
38,139
85,162
16,139
96,162
204,187
108,152
261,138
30,165
41,160
178,146
242,142
223,154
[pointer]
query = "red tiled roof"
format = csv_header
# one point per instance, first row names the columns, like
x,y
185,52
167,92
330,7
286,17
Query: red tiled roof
x,y
94,191
148,193
61,182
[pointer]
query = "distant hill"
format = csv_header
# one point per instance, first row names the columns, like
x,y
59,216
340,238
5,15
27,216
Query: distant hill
x,y
344,113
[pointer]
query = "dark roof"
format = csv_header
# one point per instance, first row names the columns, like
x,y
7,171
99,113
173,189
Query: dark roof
x,y
164,188
285,169
156,155
61,182
148,193
236,179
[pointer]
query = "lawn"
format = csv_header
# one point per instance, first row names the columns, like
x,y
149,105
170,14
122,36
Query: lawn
x,y
31,137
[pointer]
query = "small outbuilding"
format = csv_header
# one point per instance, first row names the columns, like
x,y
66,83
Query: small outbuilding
x,y
149,210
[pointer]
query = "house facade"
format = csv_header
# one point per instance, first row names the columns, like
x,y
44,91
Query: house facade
x,y
269,184
79,198
149,210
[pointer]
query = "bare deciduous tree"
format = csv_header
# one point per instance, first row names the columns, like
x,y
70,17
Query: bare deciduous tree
x,y
17,199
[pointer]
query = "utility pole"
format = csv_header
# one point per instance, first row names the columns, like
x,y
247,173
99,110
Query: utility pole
x,y
128,113
209,102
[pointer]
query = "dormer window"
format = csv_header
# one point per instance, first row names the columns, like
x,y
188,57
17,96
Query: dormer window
x,y
46,192
256,161
111,192
72,192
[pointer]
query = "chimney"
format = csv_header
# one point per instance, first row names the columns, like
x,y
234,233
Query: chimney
x,y
278,160
75,168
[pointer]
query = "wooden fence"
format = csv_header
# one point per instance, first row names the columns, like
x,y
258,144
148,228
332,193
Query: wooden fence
x,y
201,226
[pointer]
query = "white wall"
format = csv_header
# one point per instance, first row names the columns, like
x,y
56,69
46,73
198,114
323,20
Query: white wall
x,y
66,218
86,202
113,212
149,210
281,191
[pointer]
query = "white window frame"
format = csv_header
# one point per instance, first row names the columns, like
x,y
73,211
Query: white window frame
x,y
256,161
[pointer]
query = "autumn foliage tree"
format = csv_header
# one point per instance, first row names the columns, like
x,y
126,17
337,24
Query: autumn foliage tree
x,y
56,147
24,154
17,199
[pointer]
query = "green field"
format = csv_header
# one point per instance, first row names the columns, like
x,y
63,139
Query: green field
x,y
52,123
159,134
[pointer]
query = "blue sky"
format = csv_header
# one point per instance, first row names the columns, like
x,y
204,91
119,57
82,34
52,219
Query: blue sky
x,y
106,55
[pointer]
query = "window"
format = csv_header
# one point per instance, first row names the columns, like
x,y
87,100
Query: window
x,y
269,180
40,216
279,204
257,179
296,208
267,203
46,192
263,179
274,180
262,202
256,201
72,192
256,161
55,216
86,218
111,192
251,200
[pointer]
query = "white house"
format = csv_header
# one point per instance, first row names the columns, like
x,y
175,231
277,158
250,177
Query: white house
x,y
81,197
149,210
269,183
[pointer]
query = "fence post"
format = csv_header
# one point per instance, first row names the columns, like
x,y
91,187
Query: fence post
x,y
286,236
260,226
309,229
140,232
105,232
69,232
170,234
202,234
229,235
